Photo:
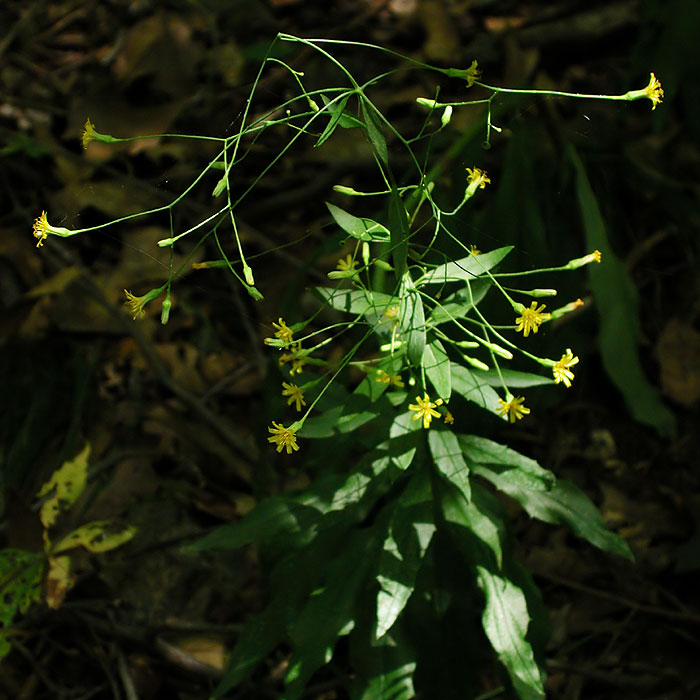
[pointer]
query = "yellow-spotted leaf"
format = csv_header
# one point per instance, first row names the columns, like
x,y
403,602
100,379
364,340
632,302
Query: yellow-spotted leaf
x,y
59,581
64,487
97,536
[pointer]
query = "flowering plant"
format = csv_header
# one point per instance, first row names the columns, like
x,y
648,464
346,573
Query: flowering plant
x,y
403,493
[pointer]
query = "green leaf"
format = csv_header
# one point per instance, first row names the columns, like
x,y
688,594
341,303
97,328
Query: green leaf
x,y
410,532
505,620
436,364
404,437
273,515
392,683
20,586
524,471
513,378
467,268
618,309
563,504
291,582
336,111
473,388
356,301
411,320
346,121
447,454
329,613
374,130
361,228
459,304
475,527
398,225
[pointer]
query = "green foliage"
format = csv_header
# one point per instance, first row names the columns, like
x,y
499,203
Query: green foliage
x,y
400,548
20,586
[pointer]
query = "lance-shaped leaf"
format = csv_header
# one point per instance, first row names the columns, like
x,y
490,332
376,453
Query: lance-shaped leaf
x,y
505,620
473,388
411,320
563,504
329,613
436,364
361,228
447,453
375,132
516,468
465,268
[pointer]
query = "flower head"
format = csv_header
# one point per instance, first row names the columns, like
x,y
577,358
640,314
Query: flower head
x,y
89,134
531,318
473,250
513,408
283,332
347,263
561,370
425,409
283,437
448,418
386,378
42,228
135,304
472,73
295,395
654,91
477,178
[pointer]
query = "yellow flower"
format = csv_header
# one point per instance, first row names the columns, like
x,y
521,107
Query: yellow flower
x,y
386,378
425,409
595,257
283,437
561,370
297,365
654,91
135,304
89,135
295,395
531,318
513,408
283,332
477,177
42,228
473,250
472,73
391,313
448,418
347,263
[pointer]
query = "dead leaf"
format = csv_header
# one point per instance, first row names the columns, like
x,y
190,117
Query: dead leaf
x,y
678,350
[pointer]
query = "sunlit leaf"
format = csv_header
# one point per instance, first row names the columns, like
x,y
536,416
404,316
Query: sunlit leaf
x,y
468,268
436,364
361,228
505,620
447,454
412,320
563,504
